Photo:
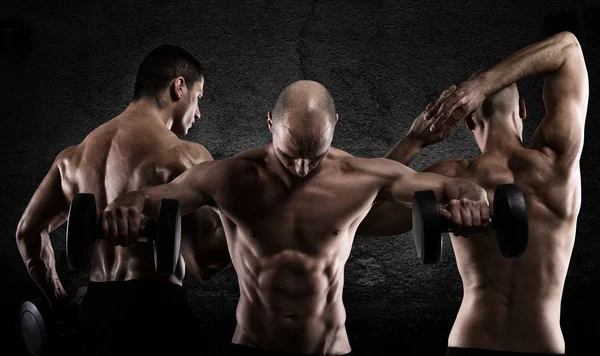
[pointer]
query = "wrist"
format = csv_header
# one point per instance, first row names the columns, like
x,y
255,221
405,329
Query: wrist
x,y
413,142
405,150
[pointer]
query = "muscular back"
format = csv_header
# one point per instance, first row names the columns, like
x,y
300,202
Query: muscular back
x,y
516,302
123,155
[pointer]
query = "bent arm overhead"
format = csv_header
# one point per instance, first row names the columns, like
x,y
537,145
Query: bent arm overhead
x,y
545,57
565,92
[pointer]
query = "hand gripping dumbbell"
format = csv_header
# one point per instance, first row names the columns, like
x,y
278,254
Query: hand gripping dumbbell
x,y
83,230
42,330
509,220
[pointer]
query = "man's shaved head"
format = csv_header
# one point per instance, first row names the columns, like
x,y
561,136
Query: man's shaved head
x,y
302,121
504,105
306,99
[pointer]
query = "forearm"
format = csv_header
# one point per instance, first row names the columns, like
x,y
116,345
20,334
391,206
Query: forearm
x,y
460,188
539,58
38,256
405,150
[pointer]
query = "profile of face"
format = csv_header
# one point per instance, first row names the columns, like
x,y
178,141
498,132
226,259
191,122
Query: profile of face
x,y
301,144
186,110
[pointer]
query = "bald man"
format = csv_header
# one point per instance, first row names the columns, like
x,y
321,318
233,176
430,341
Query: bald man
x,y
126,299
511,306
290,210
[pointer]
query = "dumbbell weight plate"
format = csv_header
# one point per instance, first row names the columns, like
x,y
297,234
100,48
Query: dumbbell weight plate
x,y
168,240
426,222
510,220
36,324
80,237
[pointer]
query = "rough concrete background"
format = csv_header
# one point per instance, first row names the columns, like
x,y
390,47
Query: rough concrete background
x,y
382,60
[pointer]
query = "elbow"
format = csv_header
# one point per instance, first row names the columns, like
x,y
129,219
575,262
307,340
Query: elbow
x,y
27,238
23,230
570,43
568,38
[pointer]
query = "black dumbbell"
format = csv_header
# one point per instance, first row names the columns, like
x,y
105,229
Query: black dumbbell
x,y
39,326
83,230
509,220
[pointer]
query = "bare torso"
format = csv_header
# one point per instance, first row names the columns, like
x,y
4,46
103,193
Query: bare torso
x,y
125,154
514,304
289,245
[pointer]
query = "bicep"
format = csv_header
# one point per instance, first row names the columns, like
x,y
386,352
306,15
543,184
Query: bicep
x,y
47,208
386,219
565,97
390,218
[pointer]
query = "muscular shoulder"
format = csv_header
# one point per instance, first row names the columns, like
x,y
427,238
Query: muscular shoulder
x,y
455,167
186,155
68,157
194,153
227,172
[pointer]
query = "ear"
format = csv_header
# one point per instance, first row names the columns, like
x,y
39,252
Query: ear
x,y
178,88
269,121
337,118
522,109
470,123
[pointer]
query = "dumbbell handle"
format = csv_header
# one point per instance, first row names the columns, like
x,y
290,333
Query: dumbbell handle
x,y
148,231
447,227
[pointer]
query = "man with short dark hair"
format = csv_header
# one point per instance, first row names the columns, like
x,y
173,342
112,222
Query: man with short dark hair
x,y
510,306
128,306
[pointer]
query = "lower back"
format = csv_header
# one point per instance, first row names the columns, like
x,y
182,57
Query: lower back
x,y
513,304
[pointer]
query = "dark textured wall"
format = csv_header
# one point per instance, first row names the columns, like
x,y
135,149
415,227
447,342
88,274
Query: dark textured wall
x,y
382,61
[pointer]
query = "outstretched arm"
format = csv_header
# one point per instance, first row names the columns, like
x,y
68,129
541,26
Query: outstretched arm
x,y
46,211
404,181
467,204
388,218
123,216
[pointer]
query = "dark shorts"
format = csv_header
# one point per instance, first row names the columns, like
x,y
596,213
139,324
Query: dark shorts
x,y
459,351
241,350
137,317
